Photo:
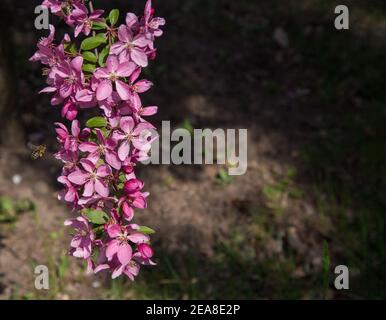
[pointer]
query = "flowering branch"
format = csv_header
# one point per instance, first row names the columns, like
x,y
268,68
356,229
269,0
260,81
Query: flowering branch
x,y
99,160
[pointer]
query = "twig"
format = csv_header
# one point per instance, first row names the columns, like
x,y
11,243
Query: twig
x,y
91,6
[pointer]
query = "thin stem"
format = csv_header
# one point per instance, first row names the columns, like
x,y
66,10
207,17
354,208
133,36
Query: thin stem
x,y
91,6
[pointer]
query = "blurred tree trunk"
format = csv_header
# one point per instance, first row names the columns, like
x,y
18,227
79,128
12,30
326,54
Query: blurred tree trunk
x,y
10,132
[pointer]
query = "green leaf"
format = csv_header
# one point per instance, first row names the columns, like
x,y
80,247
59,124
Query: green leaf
x,y
93,42
6,205
105,132
114,16
89,56
71,48
272,192
24,205
223,176
122,177
96,216
146,230
96,122
103,55
87,67
7,211
99,25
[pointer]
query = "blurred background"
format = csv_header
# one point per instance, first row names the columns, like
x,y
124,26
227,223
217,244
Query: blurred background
x,y
314,102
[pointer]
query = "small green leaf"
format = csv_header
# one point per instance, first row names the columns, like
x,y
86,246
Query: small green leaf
x,y
89,56
122,177
114,16
96,216
71,48
146,230
24,205
93,42
272,192
99,25
6,205
105,132
96,122
87,67
102,56
223,176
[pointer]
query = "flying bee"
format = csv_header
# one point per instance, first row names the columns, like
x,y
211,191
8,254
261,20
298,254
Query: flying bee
x,y
37,151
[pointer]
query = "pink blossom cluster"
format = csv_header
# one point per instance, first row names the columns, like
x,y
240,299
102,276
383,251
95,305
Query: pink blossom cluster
x,y
98,175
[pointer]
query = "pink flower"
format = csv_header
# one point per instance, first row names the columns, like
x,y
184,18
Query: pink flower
x,y
132,269
72,76
93,178
66,79
120,244
83,21
110,105
69,142
144,112
45,46
113,72
130,133
133,198
54,5
145,250
81,243
151,24
130,47
138,87
104,147
70,160
70,193
85,98
69,110
97,202
144,255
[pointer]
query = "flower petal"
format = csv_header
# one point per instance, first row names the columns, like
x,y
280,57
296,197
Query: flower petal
x,y
112,63
112,249
124,150
103,171
124,253
123,90
89,189
77,177
88,147
104,90
127,124
114,231
101,188
139,57
87,165
128,212
113,160
138,237
126,69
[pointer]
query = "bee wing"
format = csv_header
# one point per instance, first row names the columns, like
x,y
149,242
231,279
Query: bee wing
x,y
31,146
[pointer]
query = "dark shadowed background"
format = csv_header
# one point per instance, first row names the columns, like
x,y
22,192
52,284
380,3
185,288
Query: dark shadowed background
x,y
314,102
